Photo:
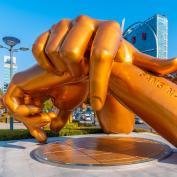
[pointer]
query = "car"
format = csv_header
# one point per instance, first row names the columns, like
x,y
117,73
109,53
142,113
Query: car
x,y
138,120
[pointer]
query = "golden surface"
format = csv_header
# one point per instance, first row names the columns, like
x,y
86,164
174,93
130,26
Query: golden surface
x,y
84,58
101,151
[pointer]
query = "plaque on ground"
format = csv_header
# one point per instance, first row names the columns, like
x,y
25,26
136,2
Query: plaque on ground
x,y
101,151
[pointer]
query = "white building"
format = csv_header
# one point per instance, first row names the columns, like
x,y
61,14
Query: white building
x,y
6,71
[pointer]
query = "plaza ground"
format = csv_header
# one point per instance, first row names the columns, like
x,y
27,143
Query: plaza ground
x,y
16,126
15,160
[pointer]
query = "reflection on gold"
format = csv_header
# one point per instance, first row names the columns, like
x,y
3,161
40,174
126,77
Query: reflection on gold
x,y
87,57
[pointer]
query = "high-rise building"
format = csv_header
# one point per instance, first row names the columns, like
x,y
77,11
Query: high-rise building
x,y
6,71
150,36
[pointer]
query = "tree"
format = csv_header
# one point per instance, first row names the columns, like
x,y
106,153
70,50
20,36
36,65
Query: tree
x,y
48,105
1,92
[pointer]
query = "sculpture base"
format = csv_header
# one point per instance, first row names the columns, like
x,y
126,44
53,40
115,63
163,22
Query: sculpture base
x,y
101,151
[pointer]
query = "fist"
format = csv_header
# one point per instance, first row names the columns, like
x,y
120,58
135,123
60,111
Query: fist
x,y
72,46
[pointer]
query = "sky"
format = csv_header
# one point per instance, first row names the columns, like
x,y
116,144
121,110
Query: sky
x,y
29,18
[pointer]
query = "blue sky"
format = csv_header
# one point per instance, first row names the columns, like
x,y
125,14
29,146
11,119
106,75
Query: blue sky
x,y
27,19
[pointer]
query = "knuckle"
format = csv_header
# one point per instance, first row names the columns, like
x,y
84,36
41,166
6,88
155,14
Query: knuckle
x,y
39,43
112,25
73,55
50,52
34,49
89,22
53,27
64,21
102,54
82,18
56,27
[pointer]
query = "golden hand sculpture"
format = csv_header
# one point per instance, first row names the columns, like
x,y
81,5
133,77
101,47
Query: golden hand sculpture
x,y
90,56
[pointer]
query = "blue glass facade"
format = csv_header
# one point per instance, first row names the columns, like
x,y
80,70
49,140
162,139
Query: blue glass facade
x,y
150,36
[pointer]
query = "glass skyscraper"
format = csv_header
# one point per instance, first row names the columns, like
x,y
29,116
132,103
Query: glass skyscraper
x,y
150,36
6,71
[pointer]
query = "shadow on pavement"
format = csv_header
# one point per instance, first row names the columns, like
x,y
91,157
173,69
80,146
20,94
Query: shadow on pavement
x,y
172,159
14,143
8,144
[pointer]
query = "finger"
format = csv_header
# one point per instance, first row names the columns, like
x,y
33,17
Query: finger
x,y
14,98
38,134
26,110
75,44
71,96
103,52
39,53
60,121
37,120
35,123
128,53
156,65
32,79
27,99
125,52
38,101
114,117
57,35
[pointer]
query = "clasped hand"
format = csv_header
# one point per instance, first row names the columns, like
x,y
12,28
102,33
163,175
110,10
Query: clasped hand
x,y
76,59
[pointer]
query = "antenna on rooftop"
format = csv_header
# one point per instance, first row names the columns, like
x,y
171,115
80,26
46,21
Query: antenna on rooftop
x,y
122,25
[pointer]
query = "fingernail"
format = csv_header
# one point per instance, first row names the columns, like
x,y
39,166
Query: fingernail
x,y
96,103
41,138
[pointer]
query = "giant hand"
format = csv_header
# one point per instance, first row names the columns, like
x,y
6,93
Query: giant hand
x,y
67,48
104,46
28,90
70,45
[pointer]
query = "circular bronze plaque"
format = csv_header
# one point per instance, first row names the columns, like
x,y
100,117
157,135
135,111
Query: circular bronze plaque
x,y
101,151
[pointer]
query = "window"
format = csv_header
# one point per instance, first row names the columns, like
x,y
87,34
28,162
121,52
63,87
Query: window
x,y
143,36
133,39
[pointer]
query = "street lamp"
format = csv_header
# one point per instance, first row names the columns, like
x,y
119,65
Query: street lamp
x,y
11,42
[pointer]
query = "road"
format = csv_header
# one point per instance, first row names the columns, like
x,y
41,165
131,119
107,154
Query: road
x,y
16,126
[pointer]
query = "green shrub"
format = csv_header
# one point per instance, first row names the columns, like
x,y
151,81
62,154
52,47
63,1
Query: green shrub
x,y
85,125
72,125
24,134
79,131
15,134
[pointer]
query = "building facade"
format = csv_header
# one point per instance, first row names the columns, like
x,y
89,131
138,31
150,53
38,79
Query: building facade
x,y
150,36
6,71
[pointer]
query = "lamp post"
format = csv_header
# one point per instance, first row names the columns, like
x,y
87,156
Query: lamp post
x,y
11,42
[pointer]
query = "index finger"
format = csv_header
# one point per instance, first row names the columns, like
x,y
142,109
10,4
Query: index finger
x,y
13,99
38,50
103,52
